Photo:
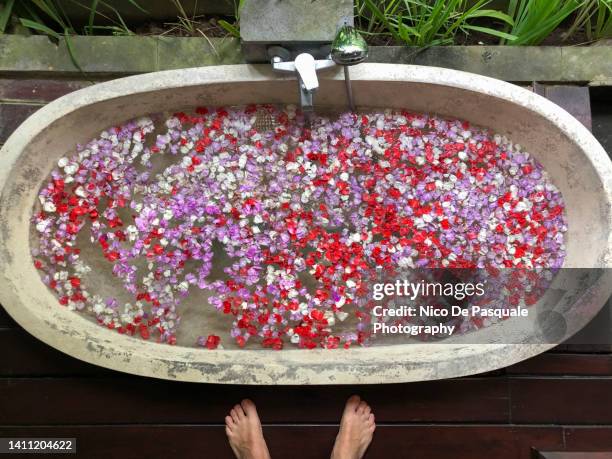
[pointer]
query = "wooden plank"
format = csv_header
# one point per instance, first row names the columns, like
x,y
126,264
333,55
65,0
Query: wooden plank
x,y
27,356
37,90
140,400
561,400
134,442
303,442
5,320
594,348
595,337
11,116
591,438
564,364
573,455
601,101
574,99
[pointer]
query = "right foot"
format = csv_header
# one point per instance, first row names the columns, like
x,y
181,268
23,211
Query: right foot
x,y
243,429
356,430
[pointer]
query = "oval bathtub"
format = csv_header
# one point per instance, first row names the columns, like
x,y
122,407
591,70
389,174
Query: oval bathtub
x,y
577,165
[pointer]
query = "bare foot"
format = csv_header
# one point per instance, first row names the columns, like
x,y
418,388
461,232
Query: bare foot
x,y
356,430
243,429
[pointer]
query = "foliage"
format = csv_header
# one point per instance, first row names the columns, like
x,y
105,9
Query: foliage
x,y
595,18
420,23
426,22
47,16
534,20
233,29
184,21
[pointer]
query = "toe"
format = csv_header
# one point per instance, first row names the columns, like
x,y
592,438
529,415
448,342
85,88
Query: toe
x,y
361,408
352,403
249,407
370,423
229,422
367,410
239,411
234,415
228,431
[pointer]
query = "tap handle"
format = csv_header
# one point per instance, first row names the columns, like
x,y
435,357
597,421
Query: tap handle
x,y
306,67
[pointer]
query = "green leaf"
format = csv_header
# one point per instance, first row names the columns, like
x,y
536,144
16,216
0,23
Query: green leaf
x,y
39,27
534,20
406,31
92,13
115,30
489,31
133,2
70,49
381,17
230,28
126,29
23,9
5,15
49,9
493,14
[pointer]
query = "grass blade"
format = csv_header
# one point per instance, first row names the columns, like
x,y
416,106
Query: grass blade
x,y
489,31
70,49
382,18
92,13
229,28
492,14
603,24
49,10
133,2
39,27
7,10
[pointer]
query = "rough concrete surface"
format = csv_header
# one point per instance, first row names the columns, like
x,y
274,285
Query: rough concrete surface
x,y
131,55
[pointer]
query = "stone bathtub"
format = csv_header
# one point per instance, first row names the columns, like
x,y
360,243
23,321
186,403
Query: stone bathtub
x,y
577,165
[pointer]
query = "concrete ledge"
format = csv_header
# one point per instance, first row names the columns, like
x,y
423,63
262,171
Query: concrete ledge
x,y
113,55
588,64
118,56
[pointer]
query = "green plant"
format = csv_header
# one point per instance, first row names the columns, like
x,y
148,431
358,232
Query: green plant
x,y
426,22
534,20
184,22
190,25
595,18
233,29
49,18
5,14
31,15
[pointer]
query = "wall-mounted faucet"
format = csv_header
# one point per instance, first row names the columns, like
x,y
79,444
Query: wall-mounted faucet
x,y
306,66
348,48
297,36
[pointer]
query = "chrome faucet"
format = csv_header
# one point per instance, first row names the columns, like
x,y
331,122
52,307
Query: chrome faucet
x,y
306,66
348,48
